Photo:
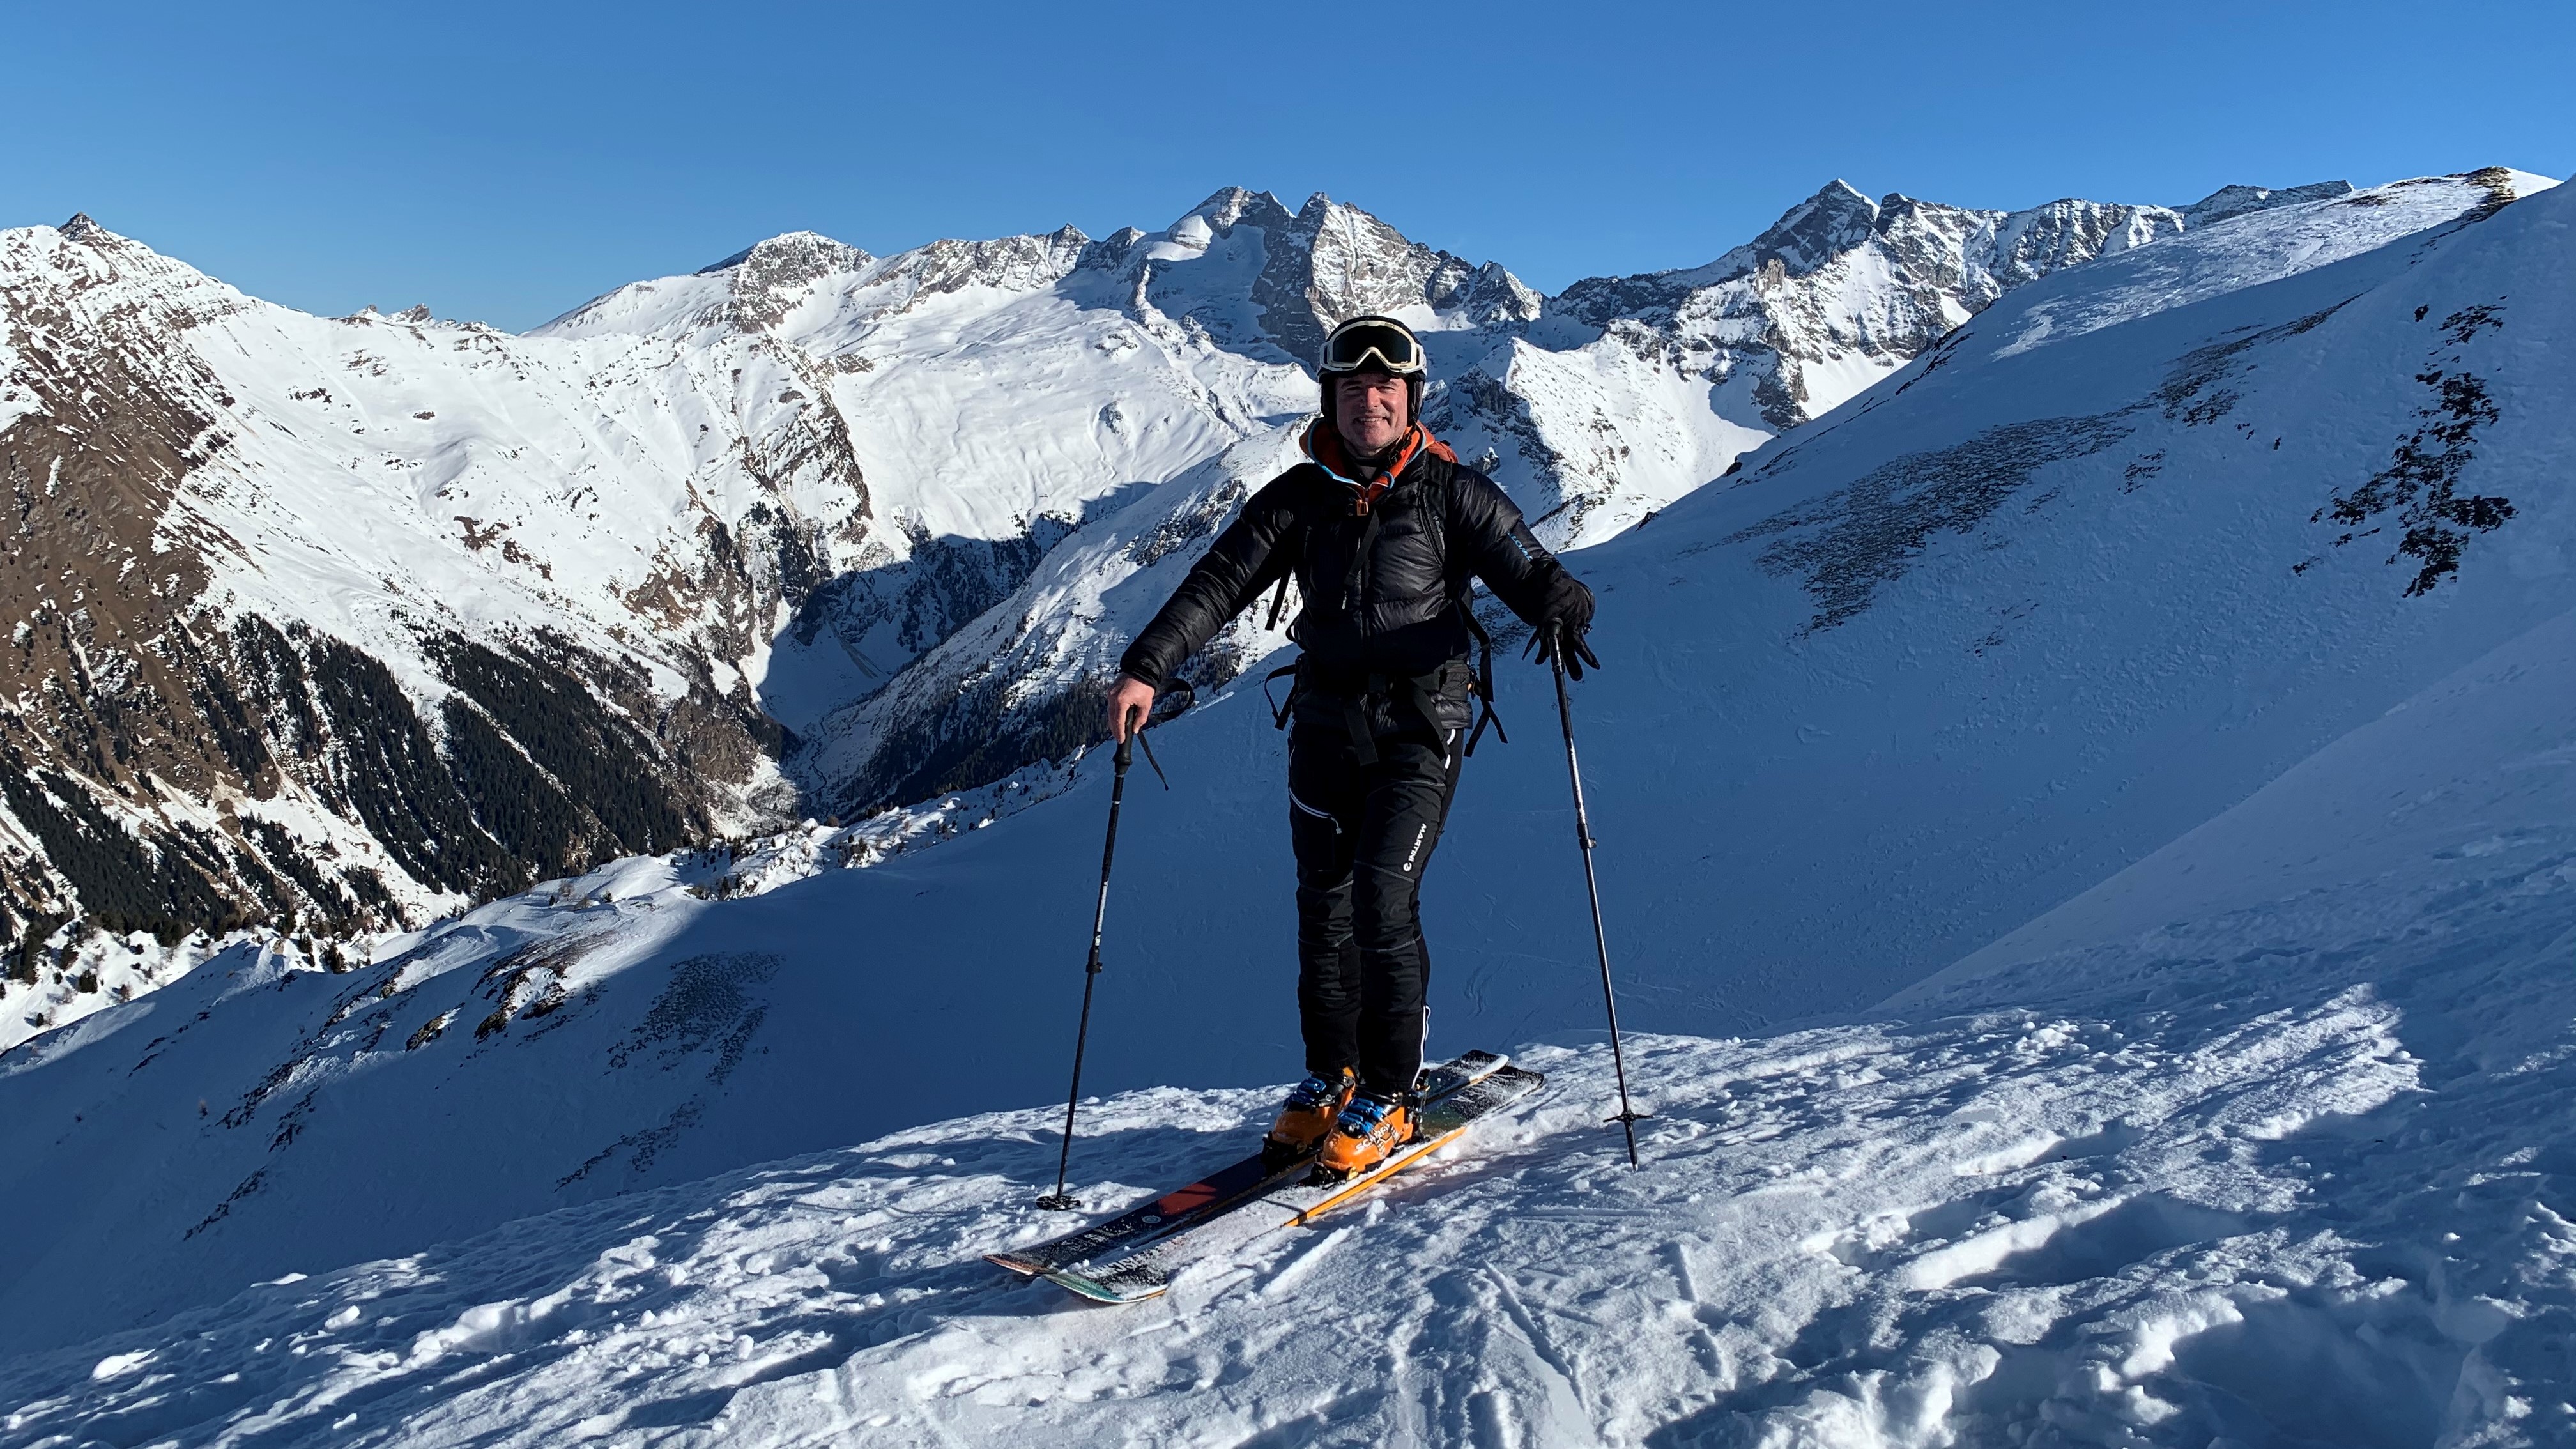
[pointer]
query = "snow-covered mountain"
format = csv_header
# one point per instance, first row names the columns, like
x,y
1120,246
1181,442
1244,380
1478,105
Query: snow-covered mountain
x,y
334,625
2155,696
444,608
1620,396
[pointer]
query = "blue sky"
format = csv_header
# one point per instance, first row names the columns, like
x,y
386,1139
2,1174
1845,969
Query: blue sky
x,y
507,161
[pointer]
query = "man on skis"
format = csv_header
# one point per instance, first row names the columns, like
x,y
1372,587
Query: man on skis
x,y
1384,531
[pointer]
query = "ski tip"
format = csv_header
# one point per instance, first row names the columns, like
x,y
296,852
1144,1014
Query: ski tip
x,y
1015,1265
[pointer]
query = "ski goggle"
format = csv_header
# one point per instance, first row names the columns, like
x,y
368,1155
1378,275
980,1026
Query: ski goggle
x,y
1366,342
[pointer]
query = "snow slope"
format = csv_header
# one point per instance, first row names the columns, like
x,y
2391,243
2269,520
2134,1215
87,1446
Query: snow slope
x,y
2262,1142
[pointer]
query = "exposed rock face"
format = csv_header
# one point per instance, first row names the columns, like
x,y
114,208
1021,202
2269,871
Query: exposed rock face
x,y
194,741
1333,262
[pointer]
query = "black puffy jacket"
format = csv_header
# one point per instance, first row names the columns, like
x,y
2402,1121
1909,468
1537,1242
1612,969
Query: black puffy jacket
x,y
1382,594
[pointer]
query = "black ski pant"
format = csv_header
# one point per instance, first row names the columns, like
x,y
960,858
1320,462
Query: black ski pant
x,y
1363,836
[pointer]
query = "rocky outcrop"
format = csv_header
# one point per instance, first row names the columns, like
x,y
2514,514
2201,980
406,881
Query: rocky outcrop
x,y
2234,201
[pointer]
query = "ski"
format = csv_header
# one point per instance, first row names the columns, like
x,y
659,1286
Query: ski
x,y
1145,1273
1210,1196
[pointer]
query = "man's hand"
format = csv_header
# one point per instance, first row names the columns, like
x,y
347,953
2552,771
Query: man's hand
x,y
1131,703
1563,621
1564,643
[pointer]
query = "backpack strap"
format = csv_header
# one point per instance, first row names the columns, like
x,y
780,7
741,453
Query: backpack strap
x,y
1279,596
1481,677
1355,578
1355,723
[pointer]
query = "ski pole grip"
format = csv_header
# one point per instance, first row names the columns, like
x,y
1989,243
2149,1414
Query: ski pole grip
x,y
1126,752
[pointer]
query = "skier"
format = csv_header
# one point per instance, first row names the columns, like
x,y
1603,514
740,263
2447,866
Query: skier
x,y
1384,531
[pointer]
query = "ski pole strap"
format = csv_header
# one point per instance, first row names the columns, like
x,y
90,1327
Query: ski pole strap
x,y
1279,708
1149,759
1482,680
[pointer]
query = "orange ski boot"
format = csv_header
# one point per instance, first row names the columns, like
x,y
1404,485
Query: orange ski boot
x,y
1368,1129
1312,1106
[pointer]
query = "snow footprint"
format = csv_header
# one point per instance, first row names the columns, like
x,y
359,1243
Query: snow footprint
x,y
2071,1245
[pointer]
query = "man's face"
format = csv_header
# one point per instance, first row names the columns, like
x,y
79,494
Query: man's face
x,y
1369,410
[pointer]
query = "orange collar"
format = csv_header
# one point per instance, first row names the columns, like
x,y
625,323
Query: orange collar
x,y
1323,445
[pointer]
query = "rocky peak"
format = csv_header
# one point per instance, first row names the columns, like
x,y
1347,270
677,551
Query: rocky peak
x,y
1110,253
1353,263
1334,261
770,277
1011,263
2031,244
1807,236
808,252
2229,201
81,229
1231,206
1817,230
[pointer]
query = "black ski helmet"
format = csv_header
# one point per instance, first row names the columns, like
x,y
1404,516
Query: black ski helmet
x,y
1373,340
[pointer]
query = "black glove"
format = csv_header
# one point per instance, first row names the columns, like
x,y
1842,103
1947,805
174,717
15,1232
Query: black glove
x,y
1564,618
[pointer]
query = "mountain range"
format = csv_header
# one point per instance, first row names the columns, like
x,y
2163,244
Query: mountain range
x,y
333,626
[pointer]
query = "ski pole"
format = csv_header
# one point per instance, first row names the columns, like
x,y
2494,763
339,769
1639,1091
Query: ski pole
x,y
1628,1117
1057,1201
1186,696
